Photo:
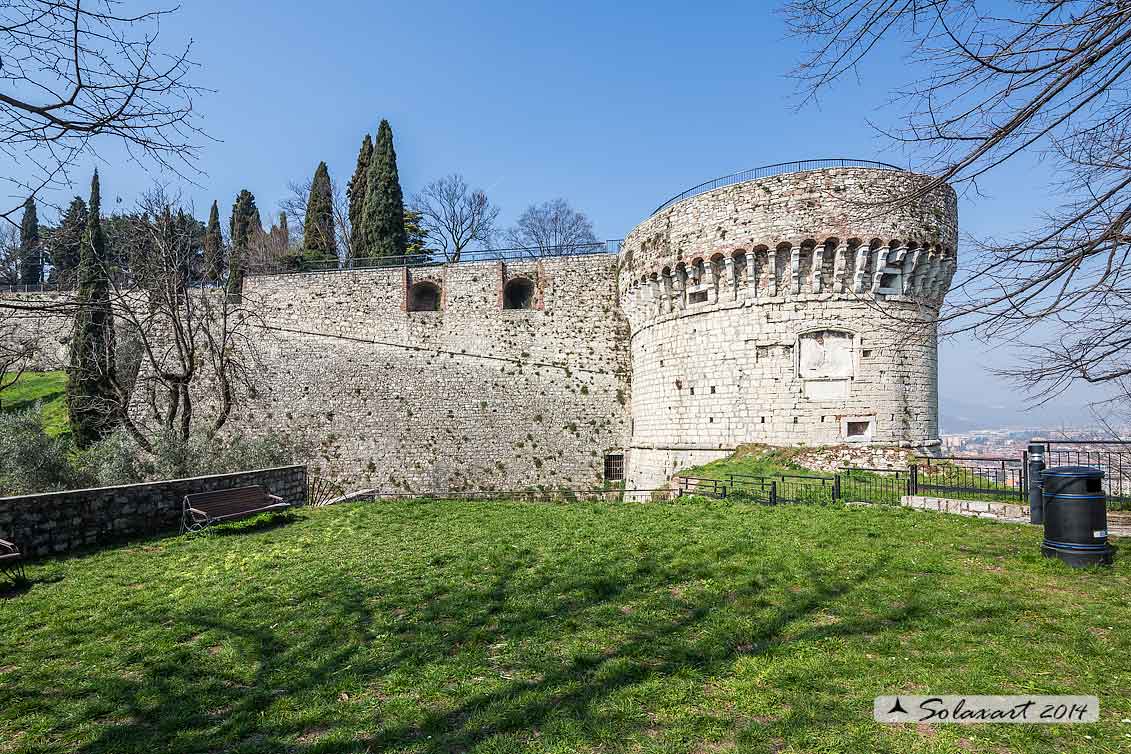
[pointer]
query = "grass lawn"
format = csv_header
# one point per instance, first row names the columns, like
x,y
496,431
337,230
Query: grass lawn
x,y
48,387
505,627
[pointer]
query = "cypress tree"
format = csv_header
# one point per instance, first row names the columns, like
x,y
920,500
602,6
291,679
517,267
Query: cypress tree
x,y
31,259
245,221
384,202
318,239
213,246
356,193
66,242
91,405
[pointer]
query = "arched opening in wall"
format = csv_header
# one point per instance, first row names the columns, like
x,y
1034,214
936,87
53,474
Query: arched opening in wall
x,y
518,294
806,259
424,297
741,270
697,290
781,271
827,252
716,277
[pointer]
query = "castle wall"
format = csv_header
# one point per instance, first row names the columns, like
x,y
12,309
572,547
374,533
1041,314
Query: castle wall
x,y
787,310
472,396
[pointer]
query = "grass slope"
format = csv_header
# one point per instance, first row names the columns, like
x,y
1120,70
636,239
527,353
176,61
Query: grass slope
x,y
48,387
754,460
500,627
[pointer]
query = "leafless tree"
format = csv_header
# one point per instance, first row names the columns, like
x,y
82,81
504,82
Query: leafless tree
x,y
295,208
550,229
75,71
193,344
9,255
454,216
1001,80
272,250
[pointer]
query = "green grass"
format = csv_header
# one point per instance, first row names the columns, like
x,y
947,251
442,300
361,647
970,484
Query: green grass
x,y
753,460
505,627
859,486
48,387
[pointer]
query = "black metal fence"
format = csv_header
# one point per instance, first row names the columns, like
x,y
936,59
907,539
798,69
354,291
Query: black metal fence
x,y
779,168
883,486
1112,456
979,478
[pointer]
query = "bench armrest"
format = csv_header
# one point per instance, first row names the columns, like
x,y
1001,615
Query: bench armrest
x,y
276,498
8,546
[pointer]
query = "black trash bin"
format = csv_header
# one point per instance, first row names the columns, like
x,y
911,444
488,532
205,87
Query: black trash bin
x,y
1075,516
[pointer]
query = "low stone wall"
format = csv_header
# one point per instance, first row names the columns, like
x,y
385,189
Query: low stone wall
x,y
56,522
1118,522
978,508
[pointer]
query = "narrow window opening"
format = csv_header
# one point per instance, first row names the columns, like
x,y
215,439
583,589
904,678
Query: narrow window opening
x,y
698,297
424,297
858,429
518,294
614,467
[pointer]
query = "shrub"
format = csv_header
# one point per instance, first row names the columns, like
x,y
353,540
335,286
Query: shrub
x,y
31,460
119,460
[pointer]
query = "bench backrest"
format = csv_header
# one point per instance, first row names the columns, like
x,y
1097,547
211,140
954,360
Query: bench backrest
x,y
227,502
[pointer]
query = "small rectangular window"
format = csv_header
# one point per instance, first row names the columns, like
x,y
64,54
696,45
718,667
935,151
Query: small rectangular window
x,y
698,297
614,467
858,429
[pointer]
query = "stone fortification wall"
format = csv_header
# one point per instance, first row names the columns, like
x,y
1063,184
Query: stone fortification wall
x,y
470,396
788,310
47,321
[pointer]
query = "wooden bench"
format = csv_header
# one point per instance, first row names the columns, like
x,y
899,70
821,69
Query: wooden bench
x,y
11,560
204,508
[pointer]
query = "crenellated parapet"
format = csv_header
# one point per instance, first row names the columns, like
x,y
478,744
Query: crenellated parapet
x,y
888,270
847,232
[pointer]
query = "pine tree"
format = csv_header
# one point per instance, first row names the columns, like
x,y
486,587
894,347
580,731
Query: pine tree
x,y
318,239
356,194
384,202
416,236
66,242
91,406
213,246
245,222
31,255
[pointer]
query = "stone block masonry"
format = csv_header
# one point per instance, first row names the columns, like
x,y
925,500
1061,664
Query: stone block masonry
x,y
797,309
57,522
468,396
792,310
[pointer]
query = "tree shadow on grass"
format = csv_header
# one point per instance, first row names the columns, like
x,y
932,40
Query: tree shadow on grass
x,y
17,586
257,524
244,682
23,404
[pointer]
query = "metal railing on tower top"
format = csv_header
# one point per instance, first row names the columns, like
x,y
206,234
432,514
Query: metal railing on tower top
x,y
778,168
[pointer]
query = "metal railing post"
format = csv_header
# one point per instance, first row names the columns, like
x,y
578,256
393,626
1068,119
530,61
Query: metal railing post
x,y
836,487
913,480
1036,493
773,493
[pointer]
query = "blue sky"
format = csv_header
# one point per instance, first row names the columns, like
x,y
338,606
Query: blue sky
x,y
612,106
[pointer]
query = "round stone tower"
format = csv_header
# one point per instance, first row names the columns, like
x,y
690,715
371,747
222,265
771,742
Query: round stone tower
x,y
791,309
